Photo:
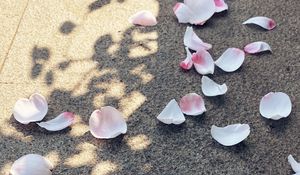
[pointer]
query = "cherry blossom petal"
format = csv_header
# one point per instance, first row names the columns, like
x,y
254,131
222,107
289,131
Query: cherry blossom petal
x,y
171,114
182,12
262,21
192,41
275,105
187,63
231,134
30,110
220,5
107,123
192,104
294,164
203,62
257,47
31,164
60,122
144,18
231,59
211,88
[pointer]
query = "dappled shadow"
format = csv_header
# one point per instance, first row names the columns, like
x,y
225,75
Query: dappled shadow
x,y
67,27
39,55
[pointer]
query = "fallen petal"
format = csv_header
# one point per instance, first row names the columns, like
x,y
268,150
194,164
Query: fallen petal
x,y
182,12
143,18
202,10
257,47
192,104
275,105
30,110
60,122
231,59
211,88
262,21
294,164
231,134
171,114
203,62
220,5
107,123
187,63
31,164
192,41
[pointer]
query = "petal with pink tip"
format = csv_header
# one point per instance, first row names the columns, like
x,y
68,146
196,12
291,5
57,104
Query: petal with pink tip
x,y
275,105
257,47
231,59
30,110
182,12
31,164
220,5
143,18
60,122
192,41
171,114
294,164
187,63
211,88
262,21
107,123
192,104
203,62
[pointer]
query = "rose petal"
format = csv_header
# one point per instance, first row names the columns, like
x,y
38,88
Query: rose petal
x,y
220,5
211,88
257,47
192,104
231,59
275,105
144,18
30,110
182,12
294,164
187,63
231,134
31,164
203,62
262,21
171,114
60,122
107,123
192,41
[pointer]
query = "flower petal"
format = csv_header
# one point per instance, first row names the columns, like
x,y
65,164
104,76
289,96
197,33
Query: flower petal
x,y
257,47
294,164
187,63
192,104
211,88
262,21
192,41
220,5
182,12
31,164
144,18
231,59
30,110
201,10
275,105
203,62
171,114
231,134
60,122
107,123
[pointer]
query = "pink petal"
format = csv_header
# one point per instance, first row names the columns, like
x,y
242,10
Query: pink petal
x,y
262,21
257,47
192,104
107,123
231,59
220,5
60,122
182,12
203,62
144,18
187,63
192,41
30,110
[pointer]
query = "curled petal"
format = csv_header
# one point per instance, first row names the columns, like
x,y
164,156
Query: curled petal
x,y
187,63
220,5
143,18
107,123
231,59
203,62
262,21
171,114
192,104
192,41
30,110
211,88
31,164
275,105
60,122
231,134
257,47
294,164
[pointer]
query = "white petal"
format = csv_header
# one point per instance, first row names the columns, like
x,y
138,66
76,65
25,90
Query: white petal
x,y
231,59
31,164
211,88
220,5
187,63
30,110
192,104
257,47
107,123
294,164
201,10
231,134
171,114
144,18
60,122
182,12
275,105
262,21
192,41
203,62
